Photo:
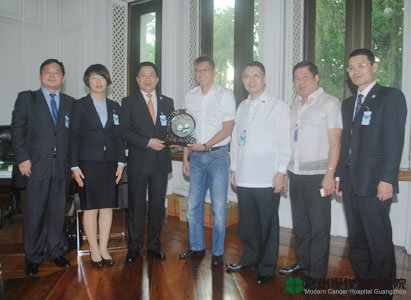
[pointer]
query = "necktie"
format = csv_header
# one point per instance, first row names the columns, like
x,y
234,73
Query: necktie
x,y
359,103
151,108
53,109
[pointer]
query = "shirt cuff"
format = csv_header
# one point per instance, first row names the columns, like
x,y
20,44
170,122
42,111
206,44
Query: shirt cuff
x,y
75,168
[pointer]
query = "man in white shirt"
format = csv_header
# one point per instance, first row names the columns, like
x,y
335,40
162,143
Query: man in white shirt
x,y
207,161
260,152
316,130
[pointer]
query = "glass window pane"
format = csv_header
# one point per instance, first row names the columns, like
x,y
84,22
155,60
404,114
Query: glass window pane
x,y
223,42
148,37
387,40
330,45
255,30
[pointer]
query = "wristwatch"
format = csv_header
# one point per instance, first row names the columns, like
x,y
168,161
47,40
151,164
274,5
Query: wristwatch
x,y
206,147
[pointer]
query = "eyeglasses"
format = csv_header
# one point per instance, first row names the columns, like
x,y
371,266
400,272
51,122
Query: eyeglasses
x,y
359,66
202,71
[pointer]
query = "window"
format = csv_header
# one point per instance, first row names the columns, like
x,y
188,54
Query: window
x,y
330,45
387,39
228,34
145,37
341,26
223,42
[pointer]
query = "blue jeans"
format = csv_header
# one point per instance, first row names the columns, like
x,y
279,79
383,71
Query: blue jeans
x,y
208,170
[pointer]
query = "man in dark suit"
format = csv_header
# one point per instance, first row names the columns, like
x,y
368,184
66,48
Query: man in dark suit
x,y
143,125
372,142
40,136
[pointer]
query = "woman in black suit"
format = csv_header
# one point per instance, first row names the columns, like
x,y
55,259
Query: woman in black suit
x,y
97,160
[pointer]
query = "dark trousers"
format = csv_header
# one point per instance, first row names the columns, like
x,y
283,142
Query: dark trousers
x,y
259,227
43,213
369,232
156,184
311,223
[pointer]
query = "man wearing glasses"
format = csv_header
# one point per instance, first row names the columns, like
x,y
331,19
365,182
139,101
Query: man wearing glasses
x,y
207,162
372,142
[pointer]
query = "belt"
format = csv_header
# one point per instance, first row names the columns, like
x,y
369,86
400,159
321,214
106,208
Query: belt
x,y
212,149
215,148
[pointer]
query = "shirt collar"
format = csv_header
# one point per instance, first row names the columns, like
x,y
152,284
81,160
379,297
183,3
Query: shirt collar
x,y
145,95
263,97
47,93
366,90
96,100
313,95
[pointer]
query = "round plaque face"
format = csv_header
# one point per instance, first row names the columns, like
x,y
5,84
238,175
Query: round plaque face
x,y
182,125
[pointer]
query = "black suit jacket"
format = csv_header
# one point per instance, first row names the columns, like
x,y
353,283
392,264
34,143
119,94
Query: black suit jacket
x,y
375,148
137,128
89,139
34,135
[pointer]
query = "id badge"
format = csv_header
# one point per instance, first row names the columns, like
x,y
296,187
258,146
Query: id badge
x,y
163,119
366,118
295,134
66,121
243,137
116,120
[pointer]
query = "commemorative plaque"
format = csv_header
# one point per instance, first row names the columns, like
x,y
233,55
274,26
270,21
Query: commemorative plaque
x,y
180,128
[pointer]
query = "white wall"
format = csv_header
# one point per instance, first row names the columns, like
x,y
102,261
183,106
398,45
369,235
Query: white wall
x,y
30,32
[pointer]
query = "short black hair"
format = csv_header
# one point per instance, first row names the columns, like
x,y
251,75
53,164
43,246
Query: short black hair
x,y
311,66
363,51
205,58
52,61
146,64
255,63
99,70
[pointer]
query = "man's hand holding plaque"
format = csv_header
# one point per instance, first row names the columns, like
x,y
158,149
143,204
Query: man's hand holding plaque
x,y
180,128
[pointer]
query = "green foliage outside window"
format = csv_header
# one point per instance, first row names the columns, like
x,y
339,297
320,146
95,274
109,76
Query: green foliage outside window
x,y
387,40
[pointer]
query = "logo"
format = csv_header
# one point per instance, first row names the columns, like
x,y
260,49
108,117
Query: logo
x,y
294,285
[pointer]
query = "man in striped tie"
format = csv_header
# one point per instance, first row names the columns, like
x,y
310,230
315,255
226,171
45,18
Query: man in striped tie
x,y
40,135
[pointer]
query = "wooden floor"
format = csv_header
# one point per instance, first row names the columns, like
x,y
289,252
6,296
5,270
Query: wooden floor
x,y
169,279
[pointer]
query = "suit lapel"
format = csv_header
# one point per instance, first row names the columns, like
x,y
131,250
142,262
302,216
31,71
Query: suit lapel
x,y
372,94
91,111
42,108
110,112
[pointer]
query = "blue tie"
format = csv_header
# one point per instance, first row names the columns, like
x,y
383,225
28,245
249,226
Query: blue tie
x,y
53,109
359,103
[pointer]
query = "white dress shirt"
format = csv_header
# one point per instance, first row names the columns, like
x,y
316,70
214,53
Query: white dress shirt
x,y
210,111
309,132
265,122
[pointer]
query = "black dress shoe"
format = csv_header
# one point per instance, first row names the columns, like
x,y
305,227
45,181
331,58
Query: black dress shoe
x,y
192,253
31,268
217,260
108,262
131,256
160,254
263,279
234,267
291,270
61,262
97,264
